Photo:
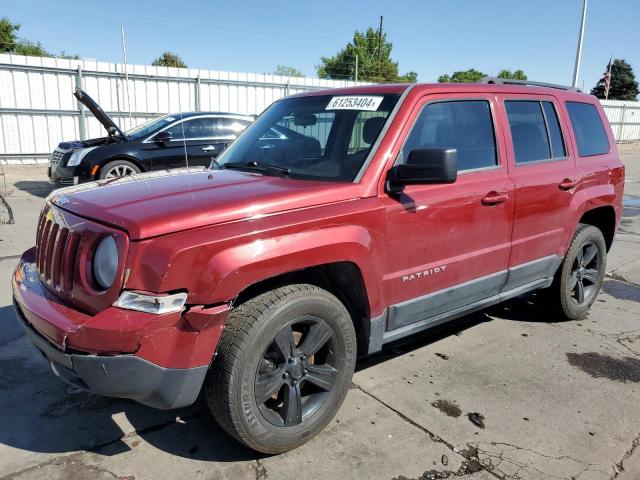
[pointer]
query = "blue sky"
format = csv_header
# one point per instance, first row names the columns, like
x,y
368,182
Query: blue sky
x,y
430,37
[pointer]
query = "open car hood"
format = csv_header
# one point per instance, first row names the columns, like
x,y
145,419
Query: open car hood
x,y
97,111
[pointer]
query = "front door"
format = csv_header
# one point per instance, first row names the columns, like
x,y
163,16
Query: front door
x,y
448,245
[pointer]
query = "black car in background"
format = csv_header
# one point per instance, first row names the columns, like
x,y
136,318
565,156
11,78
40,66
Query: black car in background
x,y
170,141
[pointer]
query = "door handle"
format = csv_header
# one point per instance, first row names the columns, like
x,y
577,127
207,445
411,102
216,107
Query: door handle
x,y
494,198
208,148
568,184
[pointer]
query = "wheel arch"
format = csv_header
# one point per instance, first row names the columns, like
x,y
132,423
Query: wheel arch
x,y
343,279
116,158
603,218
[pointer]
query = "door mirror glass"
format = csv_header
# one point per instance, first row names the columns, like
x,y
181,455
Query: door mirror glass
x,y
425,166
163,137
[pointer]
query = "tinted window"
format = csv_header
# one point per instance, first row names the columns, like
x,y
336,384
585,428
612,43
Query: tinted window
x,y
322,137
464,125
555,134
587,125
203,127
230,128
528,131
365,130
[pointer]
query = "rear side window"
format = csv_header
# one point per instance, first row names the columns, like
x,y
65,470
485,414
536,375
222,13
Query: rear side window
x,y
555,133
535,131
465,125
587,125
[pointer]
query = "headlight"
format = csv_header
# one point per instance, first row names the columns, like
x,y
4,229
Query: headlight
x,y
105,262
146,302
77,156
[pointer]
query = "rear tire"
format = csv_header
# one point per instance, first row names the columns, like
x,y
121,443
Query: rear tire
x,y
118,168
579,278
282,368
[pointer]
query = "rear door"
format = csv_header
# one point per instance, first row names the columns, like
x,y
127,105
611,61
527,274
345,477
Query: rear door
x,y
448,245
543,169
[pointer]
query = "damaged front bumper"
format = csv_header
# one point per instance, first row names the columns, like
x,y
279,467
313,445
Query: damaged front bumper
x,y
157,360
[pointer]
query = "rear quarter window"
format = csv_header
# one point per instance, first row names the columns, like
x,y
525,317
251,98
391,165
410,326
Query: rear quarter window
x,y
588,128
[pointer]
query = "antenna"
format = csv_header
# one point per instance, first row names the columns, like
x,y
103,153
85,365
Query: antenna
x,y
184,142
126,74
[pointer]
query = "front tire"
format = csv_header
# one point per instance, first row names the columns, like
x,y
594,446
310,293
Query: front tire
x,y
283,367
118,168
579,278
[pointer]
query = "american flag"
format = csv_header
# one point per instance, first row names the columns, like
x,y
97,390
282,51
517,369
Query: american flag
x,y
607,80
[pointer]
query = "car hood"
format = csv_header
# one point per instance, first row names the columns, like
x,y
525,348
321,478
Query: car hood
x,y
157,203
97,112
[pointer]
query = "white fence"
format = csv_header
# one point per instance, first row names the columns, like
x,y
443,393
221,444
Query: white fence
x,y
624,118
38,110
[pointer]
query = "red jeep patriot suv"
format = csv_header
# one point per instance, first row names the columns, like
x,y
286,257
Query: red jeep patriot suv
x,y
338,222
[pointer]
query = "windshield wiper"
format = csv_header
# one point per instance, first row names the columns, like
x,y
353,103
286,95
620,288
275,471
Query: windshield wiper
x,y
259,167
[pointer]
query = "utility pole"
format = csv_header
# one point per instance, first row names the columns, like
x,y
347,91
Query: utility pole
x,y
576,70
126,74
356,67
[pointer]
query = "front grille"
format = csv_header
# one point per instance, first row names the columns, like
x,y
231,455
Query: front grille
x,y
56,252
56,156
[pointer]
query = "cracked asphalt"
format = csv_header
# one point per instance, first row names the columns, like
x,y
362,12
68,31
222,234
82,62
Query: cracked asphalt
x,y
549,399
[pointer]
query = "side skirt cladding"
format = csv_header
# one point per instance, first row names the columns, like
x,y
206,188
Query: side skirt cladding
x,y
418,314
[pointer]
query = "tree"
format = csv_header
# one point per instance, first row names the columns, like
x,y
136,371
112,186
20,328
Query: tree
x,y
30,49
374,60
168,59
463,76
8,37
623,82
508,74
472,75
10,43
287,71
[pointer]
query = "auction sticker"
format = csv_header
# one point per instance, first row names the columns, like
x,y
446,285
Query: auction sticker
x,y
355,102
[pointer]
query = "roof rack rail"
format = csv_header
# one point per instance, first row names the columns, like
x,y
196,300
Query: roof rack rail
x,y
507,81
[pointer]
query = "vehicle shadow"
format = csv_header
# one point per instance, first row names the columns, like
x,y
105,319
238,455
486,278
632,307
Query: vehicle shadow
x,y
40,413
36,188
525,308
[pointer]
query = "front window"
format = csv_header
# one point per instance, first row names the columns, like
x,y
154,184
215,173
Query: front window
x,y
151,126
464,125
194,129
325,137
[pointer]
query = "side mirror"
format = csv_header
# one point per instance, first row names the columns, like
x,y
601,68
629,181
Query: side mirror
x,y
163,137
425,166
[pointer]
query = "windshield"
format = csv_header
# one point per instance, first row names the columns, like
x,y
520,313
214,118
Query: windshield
x,y
151,126
317,137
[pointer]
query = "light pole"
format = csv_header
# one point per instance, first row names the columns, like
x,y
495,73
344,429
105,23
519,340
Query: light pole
x,y
576,70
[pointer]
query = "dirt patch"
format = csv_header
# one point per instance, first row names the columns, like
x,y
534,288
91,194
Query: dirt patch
x,y
626,369
622,290
470,465
476,418
451,409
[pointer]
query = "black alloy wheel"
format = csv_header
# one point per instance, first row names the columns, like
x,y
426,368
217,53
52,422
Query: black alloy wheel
x,y
297,372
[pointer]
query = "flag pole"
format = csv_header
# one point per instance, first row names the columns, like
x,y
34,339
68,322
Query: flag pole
x,y
576,69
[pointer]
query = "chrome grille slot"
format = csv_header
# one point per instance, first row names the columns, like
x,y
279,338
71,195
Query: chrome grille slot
x,y
48,266
68,260
56,156
56,251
